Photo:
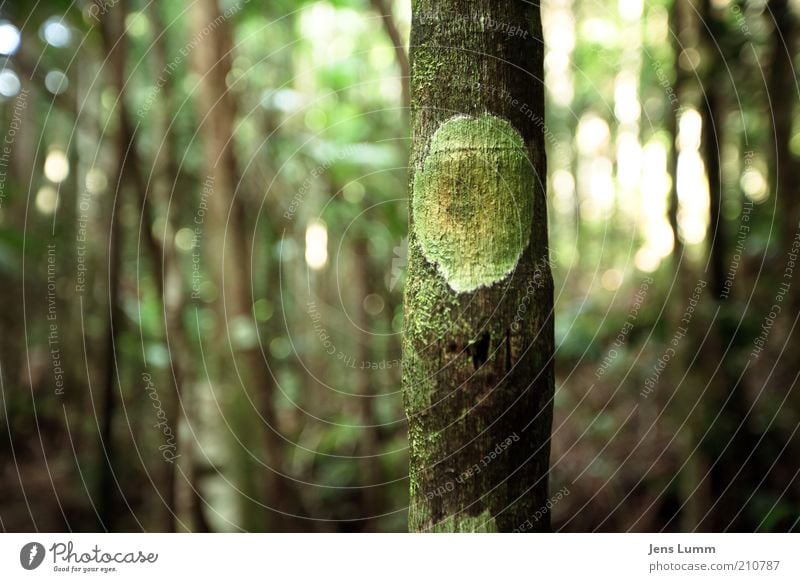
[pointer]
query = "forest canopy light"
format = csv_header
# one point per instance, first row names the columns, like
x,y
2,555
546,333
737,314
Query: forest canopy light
x,y
316,245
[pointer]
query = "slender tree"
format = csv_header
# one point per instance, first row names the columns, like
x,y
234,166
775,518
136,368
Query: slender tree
x,y
478,345
782,91
113,34
712,129
384,8
734,474
368,442
182,503
230,262
676,21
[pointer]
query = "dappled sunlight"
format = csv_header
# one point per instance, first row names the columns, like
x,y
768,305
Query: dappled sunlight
x,y
316,245
692,181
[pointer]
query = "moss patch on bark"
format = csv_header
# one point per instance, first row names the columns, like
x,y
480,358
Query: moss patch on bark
x,y
473,201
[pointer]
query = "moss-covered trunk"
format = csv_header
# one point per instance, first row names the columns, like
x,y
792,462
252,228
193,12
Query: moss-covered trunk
x,y
478,346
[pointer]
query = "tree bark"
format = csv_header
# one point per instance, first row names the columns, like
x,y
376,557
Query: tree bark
x,y
478,346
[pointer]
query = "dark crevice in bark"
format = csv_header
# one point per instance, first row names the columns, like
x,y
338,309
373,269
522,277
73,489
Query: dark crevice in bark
x,y
480,350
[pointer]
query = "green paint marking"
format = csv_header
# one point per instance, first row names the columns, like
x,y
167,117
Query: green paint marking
x,y
473,201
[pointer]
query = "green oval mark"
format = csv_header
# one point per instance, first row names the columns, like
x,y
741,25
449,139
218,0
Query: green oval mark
x,y
473,201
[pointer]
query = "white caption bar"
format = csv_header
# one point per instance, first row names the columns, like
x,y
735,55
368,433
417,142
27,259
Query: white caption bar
x,y
400,557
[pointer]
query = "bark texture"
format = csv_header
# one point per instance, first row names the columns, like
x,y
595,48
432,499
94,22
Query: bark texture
x,y
478,345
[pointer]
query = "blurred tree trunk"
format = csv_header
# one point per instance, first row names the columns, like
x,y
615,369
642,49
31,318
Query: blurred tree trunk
x,y
228,246
113,33
477,354
162,259
782,94
673,117
713,370
368,452
183,501
711,140
16,191
726,412
17,385
784,169
384,8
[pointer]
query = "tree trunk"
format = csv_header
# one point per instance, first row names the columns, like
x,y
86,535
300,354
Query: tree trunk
x,y
731,478
182,502
478,346
112,29
228,245
676,21
712,140
384,8
782,93
368,449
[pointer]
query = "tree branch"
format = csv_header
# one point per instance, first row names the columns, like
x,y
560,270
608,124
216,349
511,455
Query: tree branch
x,y
384,8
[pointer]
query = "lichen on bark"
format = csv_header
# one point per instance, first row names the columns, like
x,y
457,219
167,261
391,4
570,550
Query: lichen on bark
x,y
473,200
